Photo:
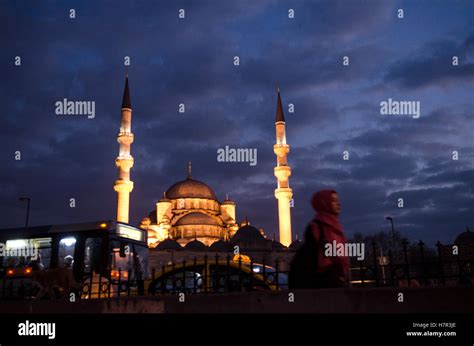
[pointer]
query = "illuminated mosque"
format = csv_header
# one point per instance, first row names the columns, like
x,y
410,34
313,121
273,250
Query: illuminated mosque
x,y
189,214
189,210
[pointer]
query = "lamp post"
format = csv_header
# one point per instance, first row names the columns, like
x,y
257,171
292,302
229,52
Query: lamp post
x,y
27,199
393,234
383,263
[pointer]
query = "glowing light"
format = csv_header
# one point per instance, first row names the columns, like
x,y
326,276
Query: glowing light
x,y
10,272
130,232
17,244
243,258
27,270
68,241
256,270
103,225
360,281
115,274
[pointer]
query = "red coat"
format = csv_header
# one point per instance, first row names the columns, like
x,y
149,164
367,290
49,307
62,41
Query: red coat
x,y
331,231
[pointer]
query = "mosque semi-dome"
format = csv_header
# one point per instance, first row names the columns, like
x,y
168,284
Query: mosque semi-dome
x,y
248,233
169,244
190,188
249,237
196,245
221,246
196,218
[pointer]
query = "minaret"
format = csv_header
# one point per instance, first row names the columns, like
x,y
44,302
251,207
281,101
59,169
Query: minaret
x,y
282,171
124,161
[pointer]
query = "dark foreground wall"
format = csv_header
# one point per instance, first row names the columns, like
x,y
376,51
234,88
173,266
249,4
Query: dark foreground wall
x,y
360,300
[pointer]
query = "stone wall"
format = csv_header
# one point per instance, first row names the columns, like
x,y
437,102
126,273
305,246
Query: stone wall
x,y
360,300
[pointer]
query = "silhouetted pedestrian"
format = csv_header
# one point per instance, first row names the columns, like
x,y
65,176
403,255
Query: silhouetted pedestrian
x,y
310,268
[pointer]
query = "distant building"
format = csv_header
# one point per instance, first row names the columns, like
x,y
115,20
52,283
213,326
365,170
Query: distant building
x,y
458,258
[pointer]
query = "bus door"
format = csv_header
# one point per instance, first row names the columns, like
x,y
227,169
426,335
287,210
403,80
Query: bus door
x,y
128,264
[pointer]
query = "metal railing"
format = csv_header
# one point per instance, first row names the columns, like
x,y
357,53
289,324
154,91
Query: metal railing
x,y
413,268
223,273
217,274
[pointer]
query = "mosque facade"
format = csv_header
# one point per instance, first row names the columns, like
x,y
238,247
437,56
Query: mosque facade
x,y
190,210
189,215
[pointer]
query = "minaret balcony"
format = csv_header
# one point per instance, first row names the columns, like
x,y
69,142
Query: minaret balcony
x,y
125,138
121,186
282,172
281,150
124,162
284,193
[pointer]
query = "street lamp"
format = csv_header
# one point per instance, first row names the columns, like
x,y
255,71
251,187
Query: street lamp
x,y
393,234
28,199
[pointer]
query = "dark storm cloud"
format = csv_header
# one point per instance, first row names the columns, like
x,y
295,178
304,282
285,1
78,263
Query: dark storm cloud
x,y
433,65
451,174
326,21
427,203
436,133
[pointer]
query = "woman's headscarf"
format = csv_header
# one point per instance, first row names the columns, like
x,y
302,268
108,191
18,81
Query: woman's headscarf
x,y
321,202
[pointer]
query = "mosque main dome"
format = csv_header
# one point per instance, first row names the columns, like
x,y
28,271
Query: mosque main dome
x,y
188,211
190,188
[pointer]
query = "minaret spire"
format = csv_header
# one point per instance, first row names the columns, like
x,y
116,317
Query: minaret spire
x,y
124,161
126,95
283,192
279,112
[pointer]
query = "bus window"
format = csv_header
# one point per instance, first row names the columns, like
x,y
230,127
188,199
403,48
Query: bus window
x,y
142,256
92,255
122,258
66,252
22,253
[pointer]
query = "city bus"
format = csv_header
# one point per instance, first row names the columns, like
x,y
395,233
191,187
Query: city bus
x,y
114,252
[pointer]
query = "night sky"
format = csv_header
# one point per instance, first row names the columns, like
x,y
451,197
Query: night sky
x,y
190,61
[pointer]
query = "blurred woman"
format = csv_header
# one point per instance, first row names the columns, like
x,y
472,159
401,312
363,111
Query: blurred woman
x,y
310,267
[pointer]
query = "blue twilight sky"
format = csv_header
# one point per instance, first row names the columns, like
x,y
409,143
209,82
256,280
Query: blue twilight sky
x,y
190,61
